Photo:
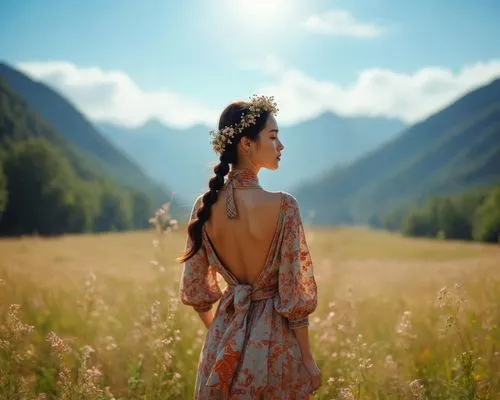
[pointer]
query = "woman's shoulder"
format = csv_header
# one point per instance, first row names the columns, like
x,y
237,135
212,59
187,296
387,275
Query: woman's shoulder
x,y
290,200
283,199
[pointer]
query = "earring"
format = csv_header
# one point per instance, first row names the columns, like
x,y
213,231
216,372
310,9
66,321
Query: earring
x,y
249,152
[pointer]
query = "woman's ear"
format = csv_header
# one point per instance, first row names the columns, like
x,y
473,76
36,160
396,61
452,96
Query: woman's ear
x,y
245,144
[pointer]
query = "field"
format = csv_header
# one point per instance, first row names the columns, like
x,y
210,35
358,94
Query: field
x,y
97,316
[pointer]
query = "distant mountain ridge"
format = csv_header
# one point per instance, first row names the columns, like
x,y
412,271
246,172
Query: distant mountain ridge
x,y
455,149
185,158
162,160
180,156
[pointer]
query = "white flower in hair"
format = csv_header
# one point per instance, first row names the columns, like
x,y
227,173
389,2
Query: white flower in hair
x,y
258,105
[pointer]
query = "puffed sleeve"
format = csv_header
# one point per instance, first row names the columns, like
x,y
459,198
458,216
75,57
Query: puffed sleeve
x,y
297,289
198,285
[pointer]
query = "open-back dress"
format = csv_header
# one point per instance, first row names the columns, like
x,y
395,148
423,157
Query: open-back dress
x,y
250,350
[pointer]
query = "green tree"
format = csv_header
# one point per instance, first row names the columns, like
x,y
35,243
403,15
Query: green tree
x,y
432,212
3,190
115,212
418,223
487,219
423,221
41,187
142,209
393,219
84,209
452,222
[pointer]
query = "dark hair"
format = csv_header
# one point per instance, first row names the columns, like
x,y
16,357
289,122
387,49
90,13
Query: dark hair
x,y
230,116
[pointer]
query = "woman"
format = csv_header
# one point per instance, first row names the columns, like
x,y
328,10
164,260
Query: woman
x,y
257,345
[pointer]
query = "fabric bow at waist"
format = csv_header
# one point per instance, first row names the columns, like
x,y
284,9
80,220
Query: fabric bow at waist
x,y
243,295
233,340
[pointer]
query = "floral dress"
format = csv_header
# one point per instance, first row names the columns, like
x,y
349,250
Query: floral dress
x,y
250,351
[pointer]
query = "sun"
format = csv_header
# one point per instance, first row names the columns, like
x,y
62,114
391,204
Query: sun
x,y
262,12
261,7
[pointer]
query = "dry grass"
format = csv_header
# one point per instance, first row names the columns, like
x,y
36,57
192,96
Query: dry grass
x,y
379,331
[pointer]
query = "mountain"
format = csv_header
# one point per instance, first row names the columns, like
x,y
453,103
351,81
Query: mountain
x,y
49,187
184,156
181,156
67,120
315,146
19,122
455,149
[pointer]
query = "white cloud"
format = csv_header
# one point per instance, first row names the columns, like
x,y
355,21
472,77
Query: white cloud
x,y
114,96
341,23
378,92
270,65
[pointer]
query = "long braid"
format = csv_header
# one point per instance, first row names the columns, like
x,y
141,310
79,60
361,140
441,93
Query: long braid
x,y
205,211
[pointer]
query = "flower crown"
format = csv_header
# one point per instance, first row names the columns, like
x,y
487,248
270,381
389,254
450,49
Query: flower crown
x,y
258,105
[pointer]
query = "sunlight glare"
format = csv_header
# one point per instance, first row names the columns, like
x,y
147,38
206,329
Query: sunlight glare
x,y
262,12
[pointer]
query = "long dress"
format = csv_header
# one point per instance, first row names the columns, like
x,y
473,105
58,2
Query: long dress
x,y
250,350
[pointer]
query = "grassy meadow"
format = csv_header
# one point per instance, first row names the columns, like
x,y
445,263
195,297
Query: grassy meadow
x,y
98,317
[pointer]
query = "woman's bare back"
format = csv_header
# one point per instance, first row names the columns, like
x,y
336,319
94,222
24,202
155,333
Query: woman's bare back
x,y
242,244
259,247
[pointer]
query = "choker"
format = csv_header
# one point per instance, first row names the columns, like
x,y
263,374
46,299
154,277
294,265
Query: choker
x,y
239,179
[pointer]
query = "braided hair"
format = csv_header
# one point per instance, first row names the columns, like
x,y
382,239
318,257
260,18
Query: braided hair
x,y
230,116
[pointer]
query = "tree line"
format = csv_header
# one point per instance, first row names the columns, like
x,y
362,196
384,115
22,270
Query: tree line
x,y
472,215
41,193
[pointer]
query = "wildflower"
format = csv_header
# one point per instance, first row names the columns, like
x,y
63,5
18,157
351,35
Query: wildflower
x,y
86,351
30,351
167,357
90,280
346,394
365,363
155,312
404,329
443,296
162,221
109,343
390,364
416,388
108,394
89,385
57,344
15,326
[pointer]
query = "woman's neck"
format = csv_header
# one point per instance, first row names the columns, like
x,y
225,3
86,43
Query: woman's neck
x,y
245,167
244,178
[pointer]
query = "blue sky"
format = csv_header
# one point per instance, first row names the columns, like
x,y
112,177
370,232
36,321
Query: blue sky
x,y
126,62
